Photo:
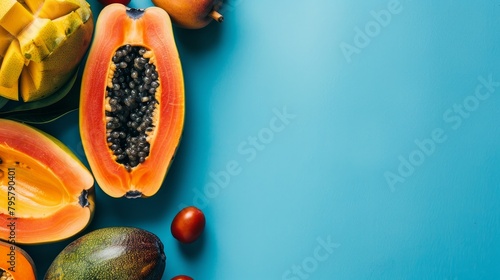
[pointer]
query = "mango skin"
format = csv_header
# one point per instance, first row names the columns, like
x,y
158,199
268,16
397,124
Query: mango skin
x,y
189,14
111,253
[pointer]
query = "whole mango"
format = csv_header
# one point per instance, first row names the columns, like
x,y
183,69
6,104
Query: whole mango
x,y
111,253
42,42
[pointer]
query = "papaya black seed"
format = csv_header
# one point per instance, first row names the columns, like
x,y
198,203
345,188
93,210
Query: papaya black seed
x,y
5,275
134,74
132,101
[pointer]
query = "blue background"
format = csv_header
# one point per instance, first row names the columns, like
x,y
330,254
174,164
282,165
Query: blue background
x,y
359,109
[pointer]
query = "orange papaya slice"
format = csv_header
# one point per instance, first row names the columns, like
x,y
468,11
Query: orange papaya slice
x,y
15,263
46,193
132,101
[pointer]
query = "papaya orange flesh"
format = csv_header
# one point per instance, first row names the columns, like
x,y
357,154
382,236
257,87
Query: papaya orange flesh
x,y
132,100
48,193
15,263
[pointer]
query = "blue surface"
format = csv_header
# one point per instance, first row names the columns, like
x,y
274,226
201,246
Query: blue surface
x,y
358,149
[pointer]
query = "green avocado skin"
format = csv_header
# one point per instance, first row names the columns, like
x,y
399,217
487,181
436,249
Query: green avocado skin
x,y
110,253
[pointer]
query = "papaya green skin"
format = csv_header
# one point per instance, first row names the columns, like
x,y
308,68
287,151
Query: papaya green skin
x,y
111,253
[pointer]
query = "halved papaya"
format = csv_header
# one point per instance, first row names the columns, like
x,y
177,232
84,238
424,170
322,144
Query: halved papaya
x,y
46,193
15,263
132,100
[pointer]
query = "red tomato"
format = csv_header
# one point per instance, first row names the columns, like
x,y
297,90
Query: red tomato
x,y
188,224
107,2
182,277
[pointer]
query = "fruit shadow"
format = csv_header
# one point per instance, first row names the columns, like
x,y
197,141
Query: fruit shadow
x,y
44,254
201,253
199,41
193,250
157,209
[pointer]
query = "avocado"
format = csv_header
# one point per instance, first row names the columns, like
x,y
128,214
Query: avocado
x,y
110,253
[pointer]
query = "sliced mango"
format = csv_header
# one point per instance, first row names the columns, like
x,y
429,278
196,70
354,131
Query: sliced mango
x,y
53,9
38,78
10,93
84,11
5,40
12,66
69,23
41,45
33,5
36,82
39,39
14,17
